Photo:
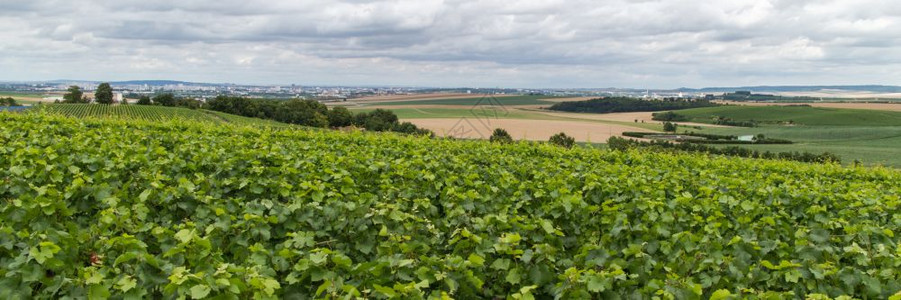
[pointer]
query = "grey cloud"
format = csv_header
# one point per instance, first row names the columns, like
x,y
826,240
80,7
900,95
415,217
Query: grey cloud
x,y
665,43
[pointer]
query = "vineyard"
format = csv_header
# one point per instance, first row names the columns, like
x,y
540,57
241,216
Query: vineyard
x,y
137,209
131,112
154,113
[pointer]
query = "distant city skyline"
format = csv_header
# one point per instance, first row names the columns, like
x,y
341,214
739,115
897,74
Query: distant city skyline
x,y
432,43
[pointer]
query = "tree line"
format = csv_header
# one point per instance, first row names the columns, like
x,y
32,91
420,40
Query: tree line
x,y
294,111
312,113
626,104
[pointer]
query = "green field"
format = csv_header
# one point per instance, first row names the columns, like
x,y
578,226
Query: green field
x,y
811,116
870,145
125,208
479,100
869,136
23,98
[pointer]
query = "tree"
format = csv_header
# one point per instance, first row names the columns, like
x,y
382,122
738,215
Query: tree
x,y
561,139
164,99
8,101
303,112
339,117
188,103
104,94
377,120
501,136
74,95
144,100
669,127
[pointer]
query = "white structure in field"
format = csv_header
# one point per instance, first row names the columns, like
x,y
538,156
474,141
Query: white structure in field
x,y
746,138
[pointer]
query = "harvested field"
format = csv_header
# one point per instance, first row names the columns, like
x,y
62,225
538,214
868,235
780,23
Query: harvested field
x,y
621,117
841,94
418,97
536,130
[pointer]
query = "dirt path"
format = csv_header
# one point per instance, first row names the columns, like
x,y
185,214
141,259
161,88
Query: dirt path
x,y
520,129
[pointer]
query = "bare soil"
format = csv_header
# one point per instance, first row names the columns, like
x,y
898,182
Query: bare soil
x,y
536,130
621,117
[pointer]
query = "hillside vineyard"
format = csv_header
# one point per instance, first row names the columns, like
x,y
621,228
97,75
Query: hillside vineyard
x,y
140,209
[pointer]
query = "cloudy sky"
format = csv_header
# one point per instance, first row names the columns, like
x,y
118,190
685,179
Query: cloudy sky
x,y
488,43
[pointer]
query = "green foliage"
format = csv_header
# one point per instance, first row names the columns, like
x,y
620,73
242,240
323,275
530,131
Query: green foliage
x,y
386,120
144,100
501,136
668,116
340,117
135,209
302,112
156,114
623,104
8,101
104,94
563,140
166,99
617,143
74,95
669,127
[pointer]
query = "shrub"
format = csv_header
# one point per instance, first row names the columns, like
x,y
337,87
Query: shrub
x,y
340,117
561,139
501,136
669,127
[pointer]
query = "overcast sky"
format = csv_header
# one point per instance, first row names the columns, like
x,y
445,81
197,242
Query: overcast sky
x,y
489,43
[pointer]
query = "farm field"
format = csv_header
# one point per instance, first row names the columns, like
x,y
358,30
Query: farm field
x,y
129,208
506,100
846,105
811,116
24,98
523,129
867,135
526,122
869,145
